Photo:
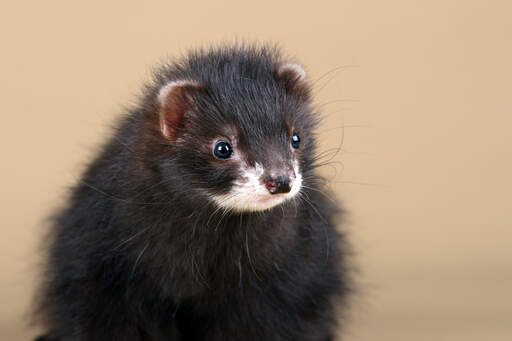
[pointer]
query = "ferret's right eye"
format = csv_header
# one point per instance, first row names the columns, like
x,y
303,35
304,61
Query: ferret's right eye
x,y
222,150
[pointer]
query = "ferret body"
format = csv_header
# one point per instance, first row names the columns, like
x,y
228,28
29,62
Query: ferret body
x,y
202,218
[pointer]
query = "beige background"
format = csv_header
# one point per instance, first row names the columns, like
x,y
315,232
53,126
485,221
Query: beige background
x,y
426,163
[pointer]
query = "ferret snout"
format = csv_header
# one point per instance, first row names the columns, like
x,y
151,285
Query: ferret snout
x,y
278,184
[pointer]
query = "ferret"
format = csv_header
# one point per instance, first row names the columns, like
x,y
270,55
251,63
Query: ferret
x,y
203,217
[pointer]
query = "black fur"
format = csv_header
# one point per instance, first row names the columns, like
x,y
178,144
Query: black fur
x,y
141,253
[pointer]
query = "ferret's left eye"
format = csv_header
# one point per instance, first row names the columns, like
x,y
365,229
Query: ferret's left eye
x,y
222,150
295,140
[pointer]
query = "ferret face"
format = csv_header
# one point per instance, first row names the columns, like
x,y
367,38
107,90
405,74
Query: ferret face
x,y
265,172
245,142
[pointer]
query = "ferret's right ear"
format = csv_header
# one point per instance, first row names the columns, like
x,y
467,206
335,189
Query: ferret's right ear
x,y
293,77
175,102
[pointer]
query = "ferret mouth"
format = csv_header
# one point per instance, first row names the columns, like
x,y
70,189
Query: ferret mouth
x,y
243,199
252,192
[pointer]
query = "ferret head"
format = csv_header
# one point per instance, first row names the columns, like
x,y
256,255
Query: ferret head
x,y
238,128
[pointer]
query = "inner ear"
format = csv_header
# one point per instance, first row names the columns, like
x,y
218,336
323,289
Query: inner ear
x,y
176,101
293,77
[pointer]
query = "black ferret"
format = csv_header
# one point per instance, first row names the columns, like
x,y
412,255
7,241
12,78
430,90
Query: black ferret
x,y
203,217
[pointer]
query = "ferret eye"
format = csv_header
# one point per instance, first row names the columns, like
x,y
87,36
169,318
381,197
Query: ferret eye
x,y
295,140
222,150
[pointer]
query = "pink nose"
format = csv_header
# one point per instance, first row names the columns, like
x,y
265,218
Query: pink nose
x,y
280,184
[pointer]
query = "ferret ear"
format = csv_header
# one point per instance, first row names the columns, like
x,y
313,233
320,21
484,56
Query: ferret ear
x,y
175,102
293,78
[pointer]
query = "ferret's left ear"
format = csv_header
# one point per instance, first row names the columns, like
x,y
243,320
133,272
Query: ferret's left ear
x,y
176,100
293,77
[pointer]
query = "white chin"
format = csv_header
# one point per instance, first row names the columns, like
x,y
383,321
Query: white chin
x,y
250,202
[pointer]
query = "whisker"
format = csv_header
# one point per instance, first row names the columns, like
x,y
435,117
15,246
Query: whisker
x,y
131,238
341,67
342,100
319,191
248,254
347,126
359,183
138,258
327,239
117,198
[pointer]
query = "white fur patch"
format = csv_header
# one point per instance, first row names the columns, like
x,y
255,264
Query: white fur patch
x,y
250,194
297,182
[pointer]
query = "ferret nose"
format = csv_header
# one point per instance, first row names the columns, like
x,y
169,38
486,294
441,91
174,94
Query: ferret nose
x,y
280,184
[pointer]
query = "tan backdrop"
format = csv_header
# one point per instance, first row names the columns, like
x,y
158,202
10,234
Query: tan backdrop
x,y
426,164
